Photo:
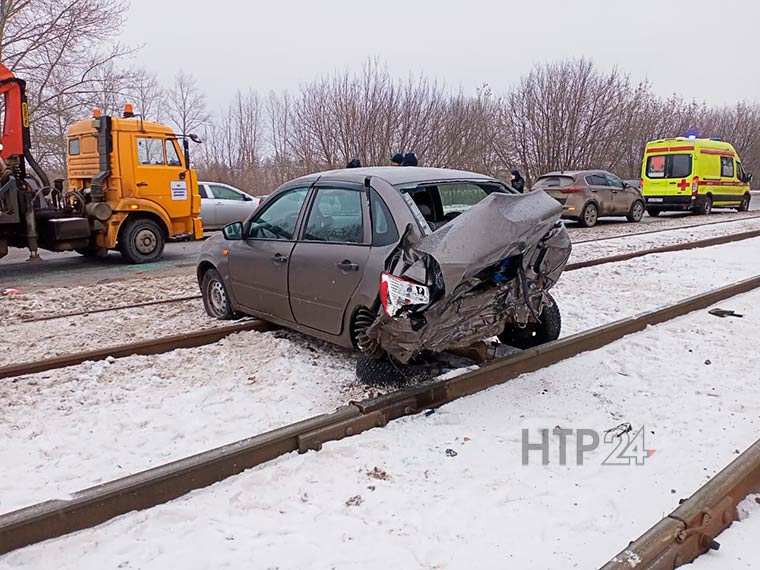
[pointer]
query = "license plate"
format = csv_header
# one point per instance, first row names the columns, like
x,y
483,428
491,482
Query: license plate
x,y
654,199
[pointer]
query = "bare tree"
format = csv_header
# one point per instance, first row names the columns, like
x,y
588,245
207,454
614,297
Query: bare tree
x,y
186,104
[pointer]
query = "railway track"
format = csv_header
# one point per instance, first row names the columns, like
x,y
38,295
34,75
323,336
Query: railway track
x,y
692,528
622,257
209,336
98,504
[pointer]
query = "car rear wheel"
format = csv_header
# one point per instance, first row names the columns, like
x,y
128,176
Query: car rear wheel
x,y
636,212
363,318
141,241
744,206
706,208
590,215
535,334
215,298
654,212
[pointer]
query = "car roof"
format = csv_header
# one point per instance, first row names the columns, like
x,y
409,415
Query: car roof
x,y
574,173
394,175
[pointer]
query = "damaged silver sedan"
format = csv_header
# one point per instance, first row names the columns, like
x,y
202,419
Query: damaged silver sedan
x,y
394,262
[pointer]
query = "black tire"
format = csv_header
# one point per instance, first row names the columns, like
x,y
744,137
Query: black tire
x,y
744,206
589,215
654,212
387,372
706,208
546,330
141,240
216,300
636,212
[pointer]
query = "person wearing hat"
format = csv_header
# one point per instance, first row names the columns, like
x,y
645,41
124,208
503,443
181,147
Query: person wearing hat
x,y
410,159
517,182
354,163
397,159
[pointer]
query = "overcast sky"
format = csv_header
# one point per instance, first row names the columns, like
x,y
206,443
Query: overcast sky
x,y
701,49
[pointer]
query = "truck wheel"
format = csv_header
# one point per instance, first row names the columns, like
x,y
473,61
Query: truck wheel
x,y
535,334
706,208
590,215
215,298
141,241
654,212
636,212
744,207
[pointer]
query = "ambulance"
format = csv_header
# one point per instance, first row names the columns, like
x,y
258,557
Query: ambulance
x,y
692,174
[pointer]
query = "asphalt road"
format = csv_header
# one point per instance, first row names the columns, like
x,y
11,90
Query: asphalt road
x,y
71,269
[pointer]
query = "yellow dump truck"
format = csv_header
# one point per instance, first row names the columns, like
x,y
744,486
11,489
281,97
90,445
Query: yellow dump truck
x,y
129,186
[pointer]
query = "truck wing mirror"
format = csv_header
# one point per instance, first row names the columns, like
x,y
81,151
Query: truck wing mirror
x,y
195,138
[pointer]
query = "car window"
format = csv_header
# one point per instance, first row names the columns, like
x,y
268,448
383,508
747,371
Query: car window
x,y
614,181
278,220
669,166
172,157
224,193
726,167
596,180
549,182
460,197
739,171
202,191
336,216
150,151
384,230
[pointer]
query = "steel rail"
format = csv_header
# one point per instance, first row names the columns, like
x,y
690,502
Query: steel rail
x,y
691,529
152,346
146,489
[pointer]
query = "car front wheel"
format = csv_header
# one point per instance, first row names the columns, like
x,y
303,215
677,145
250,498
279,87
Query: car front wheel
x,y
215,297
535,334
636,212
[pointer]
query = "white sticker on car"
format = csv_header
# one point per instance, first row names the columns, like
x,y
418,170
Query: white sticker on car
x,y
179,190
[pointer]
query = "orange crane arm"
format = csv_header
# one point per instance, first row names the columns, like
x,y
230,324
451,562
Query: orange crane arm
x,y
15,135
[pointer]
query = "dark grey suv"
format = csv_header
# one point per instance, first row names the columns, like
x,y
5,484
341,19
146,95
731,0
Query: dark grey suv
x,y
394,261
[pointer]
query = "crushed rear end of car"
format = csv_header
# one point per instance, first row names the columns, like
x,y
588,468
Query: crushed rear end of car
x,y
487,269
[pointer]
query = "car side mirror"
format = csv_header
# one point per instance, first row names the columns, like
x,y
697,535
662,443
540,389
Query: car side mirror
x,y
626,185
748,177
233,231
247,198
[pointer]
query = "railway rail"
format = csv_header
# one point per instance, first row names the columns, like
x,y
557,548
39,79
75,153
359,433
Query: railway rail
x,y
628,255
691,529
158,485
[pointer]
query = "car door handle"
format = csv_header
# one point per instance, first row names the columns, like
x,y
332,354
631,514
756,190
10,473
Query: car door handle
x,y
347,265
279,258
142,184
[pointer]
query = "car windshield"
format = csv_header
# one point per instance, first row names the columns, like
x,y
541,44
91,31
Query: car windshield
x,y
551,182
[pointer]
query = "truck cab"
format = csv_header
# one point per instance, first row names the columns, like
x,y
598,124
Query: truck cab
x,y
133,182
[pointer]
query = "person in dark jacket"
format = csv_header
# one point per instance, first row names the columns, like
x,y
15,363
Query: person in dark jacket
x,y
354,163
410,159
397,159
517,182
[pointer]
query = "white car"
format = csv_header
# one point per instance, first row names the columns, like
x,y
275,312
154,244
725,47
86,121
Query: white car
x,y
222,204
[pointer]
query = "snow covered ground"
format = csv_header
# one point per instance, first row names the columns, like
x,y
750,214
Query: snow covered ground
x,y
450,490
147,410
738,543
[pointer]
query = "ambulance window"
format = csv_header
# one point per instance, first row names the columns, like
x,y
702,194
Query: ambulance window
x,y
726,166
172,158
656,167
150,151
680,165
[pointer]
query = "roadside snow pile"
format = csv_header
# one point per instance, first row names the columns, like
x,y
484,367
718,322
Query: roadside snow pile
x,y
738,543
451,489
47,302
594,250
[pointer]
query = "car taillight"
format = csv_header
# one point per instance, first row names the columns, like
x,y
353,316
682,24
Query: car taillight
x,y
396,293
571,189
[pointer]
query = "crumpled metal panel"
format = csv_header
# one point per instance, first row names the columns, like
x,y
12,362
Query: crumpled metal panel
x,y
450,260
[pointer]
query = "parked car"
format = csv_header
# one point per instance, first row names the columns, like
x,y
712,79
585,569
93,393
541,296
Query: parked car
x,y
587,195
394,261
222,204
